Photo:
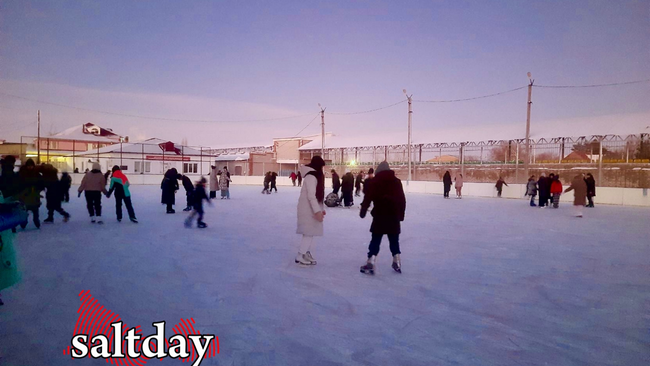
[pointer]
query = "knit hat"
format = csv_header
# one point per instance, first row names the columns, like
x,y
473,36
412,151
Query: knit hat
x,y
382,167
97,166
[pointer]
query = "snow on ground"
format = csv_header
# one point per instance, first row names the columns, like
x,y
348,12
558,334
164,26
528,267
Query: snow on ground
x,y
485,282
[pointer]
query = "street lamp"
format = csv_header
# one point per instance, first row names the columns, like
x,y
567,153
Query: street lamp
x,y
408,97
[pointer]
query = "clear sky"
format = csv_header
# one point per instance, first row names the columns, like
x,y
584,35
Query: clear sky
x,y
244,60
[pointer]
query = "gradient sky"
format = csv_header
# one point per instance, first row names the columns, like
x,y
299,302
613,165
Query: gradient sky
x,y
242,60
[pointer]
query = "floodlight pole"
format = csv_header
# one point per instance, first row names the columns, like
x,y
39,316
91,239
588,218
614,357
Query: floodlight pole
x,y
410,100
530,102
322,132
38,139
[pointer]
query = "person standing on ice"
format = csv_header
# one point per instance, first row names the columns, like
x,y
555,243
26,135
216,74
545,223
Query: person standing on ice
x,y
53,194
169,186
336,182
224,184
459,186
120,185
357,184
499,186
197,203
214,182
94,185
32,184
66,183
267,183
579,188
386,194
347,187
591,189
311,209
446,183
189,190
299,179
556,190
366,182
531,190
274,182
544,187
293,178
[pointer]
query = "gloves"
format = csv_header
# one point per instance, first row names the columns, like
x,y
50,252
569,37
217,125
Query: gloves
x,y
79,194
362,213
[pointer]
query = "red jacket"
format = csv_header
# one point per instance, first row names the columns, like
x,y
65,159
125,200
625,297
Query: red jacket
x,y
556,187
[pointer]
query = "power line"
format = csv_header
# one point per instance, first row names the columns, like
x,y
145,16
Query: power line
x,y
369,111
304,128
149,117
473,98
591,85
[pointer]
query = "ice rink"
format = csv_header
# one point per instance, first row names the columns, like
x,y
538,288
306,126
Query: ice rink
x,y
485,282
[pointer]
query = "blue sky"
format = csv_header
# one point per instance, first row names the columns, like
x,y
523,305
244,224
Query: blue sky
x,y
246,60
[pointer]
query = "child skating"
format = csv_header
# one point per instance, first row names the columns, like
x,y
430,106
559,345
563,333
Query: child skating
x,y
197,203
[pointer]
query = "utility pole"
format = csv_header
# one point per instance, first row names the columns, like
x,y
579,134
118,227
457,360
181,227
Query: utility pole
x,y
322,131
408,97
530,102
38,139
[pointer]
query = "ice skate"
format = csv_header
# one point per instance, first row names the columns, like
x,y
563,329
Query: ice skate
x,y
92,219
49,220
302,259
187,209
134,220
66,218
201,225
309,256
99,220
397,264
369,267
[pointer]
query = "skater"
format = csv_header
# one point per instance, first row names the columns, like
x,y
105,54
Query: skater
x,y
9,274
93,184
336,182
591,189
169,186
66,183
299,179
369,176
446,183
76,170
347,187
310,209
556,190
197,205
32,184
357,184
293,178
386,194
189,190
459,186
10,184
53,194
274,179
544,187
531,190
120,184
224,184
267,183
579,188
499,186
214,182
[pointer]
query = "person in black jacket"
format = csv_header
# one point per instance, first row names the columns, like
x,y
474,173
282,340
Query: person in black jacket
x,y
267,183
53,193
446,182
591,189
347,187
197,203
299,179
336,182
274,178
66,183
169,186
386,193
544,190
189,190
369,176
31,183
120,185
357,184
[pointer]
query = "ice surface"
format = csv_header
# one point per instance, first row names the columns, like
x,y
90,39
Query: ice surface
x,y
485,282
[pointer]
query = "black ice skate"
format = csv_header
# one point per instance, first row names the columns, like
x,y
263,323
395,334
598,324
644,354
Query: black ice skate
x,y
369,267
201,225
397,264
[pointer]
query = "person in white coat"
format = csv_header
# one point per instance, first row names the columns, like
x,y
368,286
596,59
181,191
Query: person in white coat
x,y
214,182
311,209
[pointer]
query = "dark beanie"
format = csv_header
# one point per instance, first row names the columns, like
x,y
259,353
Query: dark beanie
x,y
383,166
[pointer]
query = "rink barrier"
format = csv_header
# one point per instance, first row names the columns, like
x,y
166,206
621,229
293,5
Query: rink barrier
x,y
604,195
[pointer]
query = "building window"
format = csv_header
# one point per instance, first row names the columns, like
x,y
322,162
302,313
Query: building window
x,y
142,167
136,167
190,168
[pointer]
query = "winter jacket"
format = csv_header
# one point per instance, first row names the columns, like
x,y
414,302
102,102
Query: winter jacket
x,y
579,188
531,188
308,205
299,177
358,180
9,182
32,184
93,181
347,183
591,186
500,184
187,184
120,185
459,182
446,180
198,196
366,182
224,181
293,176
214,180
386,194
544,186
556,187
